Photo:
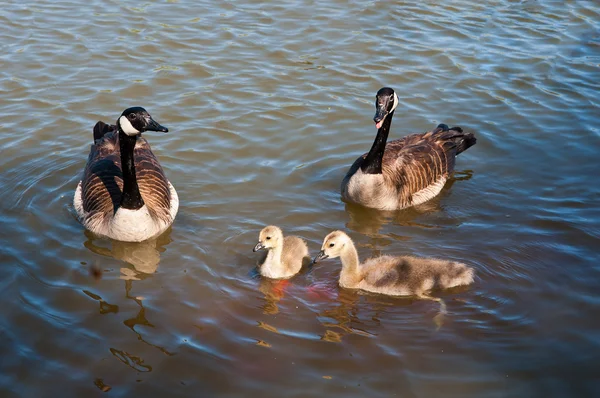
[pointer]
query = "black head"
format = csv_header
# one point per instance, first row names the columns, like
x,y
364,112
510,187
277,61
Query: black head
x,y
136,120
386,102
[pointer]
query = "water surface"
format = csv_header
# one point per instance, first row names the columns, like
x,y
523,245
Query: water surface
x,y
268,104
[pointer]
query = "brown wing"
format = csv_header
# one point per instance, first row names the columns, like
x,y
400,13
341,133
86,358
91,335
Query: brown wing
x,y
153,184
102,181
420,160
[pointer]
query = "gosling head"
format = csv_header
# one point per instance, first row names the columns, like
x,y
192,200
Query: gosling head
x,y
269,238
386,102
136,120
332,247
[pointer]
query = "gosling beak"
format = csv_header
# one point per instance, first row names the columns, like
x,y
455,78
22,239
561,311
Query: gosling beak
x,y
379,117
320,256
154,126
259,246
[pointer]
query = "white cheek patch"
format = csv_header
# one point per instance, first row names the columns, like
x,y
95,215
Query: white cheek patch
x,y
395,102
127,127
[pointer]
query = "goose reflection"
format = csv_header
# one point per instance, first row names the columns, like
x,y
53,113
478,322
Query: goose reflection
x,y
369,221
145,258
273,291
341,318
355,312
140,318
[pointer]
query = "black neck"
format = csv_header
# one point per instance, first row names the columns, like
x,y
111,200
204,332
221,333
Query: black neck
x,y
372,163
130,198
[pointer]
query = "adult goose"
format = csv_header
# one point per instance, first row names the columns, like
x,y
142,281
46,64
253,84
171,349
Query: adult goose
x,y
124,194
404,172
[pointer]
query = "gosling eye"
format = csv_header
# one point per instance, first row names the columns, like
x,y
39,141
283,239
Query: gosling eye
x,y
268,238
331,244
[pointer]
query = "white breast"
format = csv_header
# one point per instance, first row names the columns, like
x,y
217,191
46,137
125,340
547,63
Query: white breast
x,y
272,267
134,225
370,190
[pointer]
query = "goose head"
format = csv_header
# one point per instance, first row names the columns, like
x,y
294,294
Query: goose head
x,y
333,245
269,238
136,120
386,101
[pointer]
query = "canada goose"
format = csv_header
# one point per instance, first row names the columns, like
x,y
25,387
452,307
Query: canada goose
x,y
393,275
124,194
405,172
285,256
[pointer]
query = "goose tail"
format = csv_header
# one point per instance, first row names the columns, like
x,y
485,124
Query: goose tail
x,y
464,141
100,129
455,135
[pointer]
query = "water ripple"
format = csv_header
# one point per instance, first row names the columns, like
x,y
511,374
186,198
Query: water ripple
x,y
267,107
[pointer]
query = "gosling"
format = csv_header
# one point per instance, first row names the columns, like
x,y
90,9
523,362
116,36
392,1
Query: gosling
x,y
394,275
285,256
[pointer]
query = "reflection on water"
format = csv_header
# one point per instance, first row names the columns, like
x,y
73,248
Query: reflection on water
x,y
274,291
139,319
340,317
143,256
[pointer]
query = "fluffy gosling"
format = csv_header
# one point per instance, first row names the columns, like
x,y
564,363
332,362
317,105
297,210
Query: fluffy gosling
x,y
393,275
285,255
